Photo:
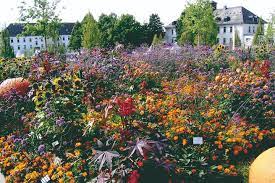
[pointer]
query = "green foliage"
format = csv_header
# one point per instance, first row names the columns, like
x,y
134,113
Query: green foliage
x,y
76,37
238,42
106,24
43,12
199,25
128,31
157,40
6,50
259,33
154,27
269,37
91,33
179,27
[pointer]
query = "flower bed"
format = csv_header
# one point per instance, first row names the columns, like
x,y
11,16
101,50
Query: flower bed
x,y
167,115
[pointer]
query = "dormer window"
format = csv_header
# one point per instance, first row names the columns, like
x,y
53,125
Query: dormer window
x,y
227,19
218,19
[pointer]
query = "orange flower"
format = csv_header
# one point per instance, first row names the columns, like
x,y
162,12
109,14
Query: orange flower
x,y
220,167
184,142
176,138
227,171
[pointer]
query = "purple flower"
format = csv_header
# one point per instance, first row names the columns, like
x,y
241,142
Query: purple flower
x,y
60,121
41,149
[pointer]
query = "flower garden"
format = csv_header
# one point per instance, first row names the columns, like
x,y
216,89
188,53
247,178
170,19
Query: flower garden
x,y
168,115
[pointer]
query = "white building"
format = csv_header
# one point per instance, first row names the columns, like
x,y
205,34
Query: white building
x,y
237,20
25,44
170,33
229,20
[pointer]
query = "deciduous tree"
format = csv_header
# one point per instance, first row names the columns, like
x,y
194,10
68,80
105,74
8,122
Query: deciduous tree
x,y
45,16
199,25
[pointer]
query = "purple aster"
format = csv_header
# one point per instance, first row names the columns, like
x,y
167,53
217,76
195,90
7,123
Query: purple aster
x,y
41,149
60,121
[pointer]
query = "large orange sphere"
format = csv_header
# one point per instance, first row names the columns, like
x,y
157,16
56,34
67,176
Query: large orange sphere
x,y
262,169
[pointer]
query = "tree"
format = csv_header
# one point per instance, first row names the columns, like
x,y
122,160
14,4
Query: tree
x,y
238,42
90,30
269,37
154,27
128,31
106,24
44,14
257,39
6,50
199,25
76,37
157,40
179,26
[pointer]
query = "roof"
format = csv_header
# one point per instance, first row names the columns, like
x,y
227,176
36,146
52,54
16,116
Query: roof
x,y
171,25
18,28
236,15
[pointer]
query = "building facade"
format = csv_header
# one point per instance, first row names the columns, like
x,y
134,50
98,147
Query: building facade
x,y
170,33
236,21
26,44
231,22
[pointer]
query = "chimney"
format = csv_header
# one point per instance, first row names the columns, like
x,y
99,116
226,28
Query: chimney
x,y
214,5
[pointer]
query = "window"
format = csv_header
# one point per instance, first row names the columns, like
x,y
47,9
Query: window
x,y
11,40
25,47
218,29
224,40
253,29
41,39
248,39
68,37
18,47
218,40
30,40
231,29
224,29
36,43
18,40
63,38
231,41
24,40
42,46
64,44
30,46
249,29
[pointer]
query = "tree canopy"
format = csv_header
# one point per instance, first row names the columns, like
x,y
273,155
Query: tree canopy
x,y
91,33
199,25
44,14
128,31
106,25
76,37
6,50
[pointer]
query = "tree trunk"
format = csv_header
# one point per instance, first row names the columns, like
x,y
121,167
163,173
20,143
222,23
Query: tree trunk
x,y
198,39
46,44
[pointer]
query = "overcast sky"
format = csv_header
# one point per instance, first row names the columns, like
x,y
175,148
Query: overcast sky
x,y
168,10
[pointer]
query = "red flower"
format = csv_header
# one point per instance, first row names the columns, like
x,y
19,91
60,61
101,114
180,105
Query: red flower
x,y
140,163
134,176
126,107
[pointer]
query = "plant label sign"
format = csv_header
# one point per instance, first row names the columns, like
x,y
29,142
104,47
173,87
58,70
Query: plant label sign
x,y
197,140
45,179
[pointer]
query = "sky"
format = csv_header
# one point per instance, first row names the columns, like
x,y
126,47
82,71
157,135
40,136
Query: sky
x,y
168,10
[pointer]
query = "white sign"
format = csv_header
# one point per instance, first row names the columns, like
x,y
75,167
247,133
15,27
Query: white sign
x,y
197,140
55,143
45,179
